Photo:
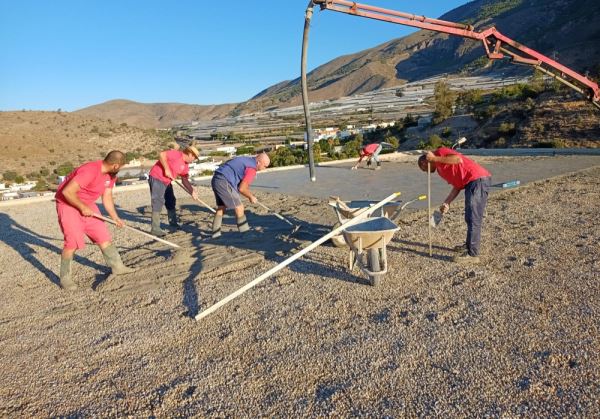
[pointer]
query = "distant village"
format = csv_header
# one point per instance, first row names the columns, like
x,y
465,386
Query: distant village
x,y
386,104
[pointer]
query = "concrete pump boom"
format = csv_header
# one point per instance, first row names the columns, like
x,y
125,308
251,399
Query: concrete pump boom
x,y
497,45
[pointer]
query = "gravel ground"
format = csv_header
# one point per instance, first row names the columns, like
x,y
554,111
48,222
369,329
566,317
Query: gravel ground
x,y
515,336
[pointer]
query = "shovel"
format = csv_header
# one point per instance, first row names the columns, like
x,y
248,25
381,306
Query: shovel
x,y
436,219
281,217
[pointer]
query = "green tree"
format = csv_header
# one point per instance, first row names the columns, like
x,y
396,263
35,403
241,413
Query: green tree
x,y
9,175
19,179
352,148
393,141
131,155
41,185
444,101
317,152
64,169
470,98
152,155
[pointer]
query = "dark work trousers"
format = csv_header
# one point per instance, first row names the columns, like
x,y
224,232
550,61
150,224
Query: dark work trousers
x,y
476,195
161,194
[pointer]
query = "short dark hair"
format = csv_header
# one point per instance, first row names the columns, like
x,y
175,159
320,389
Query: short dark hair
x,y
115,157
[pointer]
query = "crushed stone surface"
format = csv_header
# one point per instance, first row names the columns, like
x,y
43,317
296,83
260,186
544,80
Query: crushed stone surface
x,y
517,335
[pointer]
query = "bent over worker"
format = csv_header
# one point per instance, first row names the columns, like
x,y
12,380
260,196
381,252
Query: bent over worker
x,y
229,181
462,173
370,151
75,205
171,164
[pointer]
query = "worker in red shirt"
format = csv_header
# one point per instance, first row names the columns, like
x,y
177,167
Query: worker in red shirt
x,y
370,151
76,204
462,173
170,165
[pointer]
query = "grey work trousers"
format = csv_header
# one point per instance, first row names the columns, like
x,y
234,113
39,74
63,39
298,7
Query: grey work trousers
x,y
161,194
476,195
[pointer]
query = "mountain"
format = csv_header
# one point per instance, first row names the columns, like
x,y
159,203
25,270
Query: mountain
x,y
567,29
154,115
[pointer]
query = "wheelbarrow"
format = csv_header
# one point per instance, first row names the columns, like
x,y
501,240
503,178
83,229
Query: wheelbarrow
x,y
345,211
367,241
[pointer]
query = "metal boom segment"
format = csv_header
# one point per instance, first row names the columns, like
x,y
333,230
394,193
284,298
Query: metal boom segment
x,y
497,45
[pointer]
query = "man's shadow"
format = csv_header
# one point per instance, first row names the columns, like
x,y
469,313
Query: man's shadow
x,y
25,241
413,247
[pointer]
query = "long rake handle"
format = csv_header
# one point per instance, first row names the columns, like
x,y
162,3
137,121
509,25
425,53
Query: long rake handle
x,y
143,233
429,207
196,199
362,214
281,217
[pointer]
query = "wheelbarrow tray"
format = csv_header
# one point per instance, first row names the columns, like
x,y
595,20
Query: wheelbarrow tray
x,y
374,232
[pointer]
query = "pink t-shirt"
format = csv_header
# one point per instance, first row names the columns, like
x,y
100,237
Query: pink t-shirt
x,y
369,149
459,175
176,163
91,180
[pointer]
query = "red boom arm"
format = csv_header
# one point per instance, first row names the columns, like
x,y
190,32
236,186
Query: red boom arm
x,y
496,45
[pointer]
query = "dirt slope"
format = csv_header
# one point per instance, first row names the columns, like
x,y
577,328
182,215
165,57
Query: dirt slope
x,y
32,140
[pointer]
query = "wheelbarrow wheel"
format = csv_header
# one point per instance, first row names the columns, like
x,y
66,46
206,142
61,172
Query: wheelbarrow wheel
x,y
338,241
374,265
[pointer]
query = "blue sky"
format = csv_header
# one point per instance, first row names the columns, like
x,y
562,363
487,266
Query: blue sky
x,y
70,54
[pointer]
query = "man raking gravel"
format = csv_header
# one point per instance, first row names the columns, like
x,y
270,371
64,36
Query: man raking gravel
x,y
76,205
231,179
170,165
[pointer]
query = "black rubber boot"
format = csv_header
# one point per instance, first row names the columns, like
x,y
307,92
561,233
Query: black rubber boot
x,y
173,218
156,230
113,259
66,282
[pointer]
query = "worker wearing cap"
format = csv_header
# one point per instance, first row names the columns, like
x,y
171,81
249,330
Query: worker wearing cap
x,y
370,151
229,181
76,205
171,164
462,173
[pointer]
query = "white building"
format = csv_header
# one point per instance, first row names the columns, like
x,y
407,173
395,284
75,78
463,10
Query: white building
x,y
197,168
22,187
228,149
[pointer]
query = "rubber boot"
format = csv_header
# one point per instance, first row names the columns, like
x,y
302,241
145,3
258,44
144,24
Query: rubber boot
x,y
66,282
156,230
216,227
242,224
113,259
173,218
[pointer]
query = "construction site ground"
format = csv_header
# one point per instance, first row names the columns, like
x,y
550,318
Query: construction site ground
x,y
514,336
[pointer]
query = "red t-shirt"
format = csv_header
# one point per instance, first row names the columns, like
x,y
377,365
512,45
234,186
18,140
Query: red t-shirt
x,y
176,163
249,175
459,175
369,149
91,180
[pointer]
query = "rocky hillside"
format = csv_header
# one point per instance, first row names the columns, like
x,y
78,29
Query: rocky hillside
x,y
31,141
154,115
566,29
